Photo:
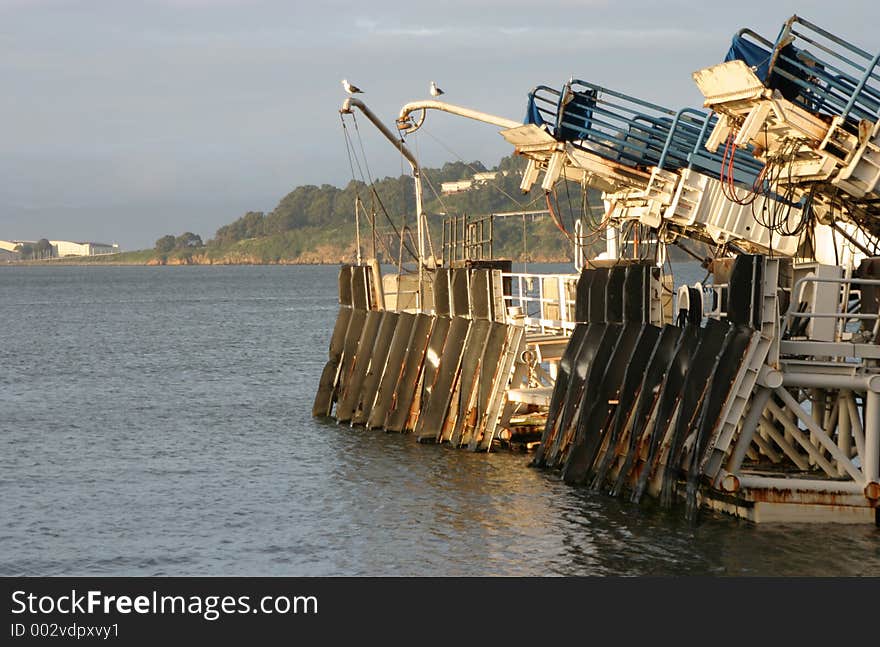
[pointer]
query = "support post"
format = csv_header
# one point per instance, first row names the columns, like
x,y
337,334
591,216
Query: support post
x,y
871,458
823,438
844,433
855,423
750,423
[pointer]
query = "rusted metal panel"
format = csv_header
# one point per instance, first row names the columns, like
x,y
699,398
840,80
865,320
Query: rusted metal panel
x,y
327,385
704,361
560,388
574,401
663,411
649,393
626,398
601,397
405,390
510,373
721,382
433,412
569,407
378,361
490,364
349,398
462,402
393,368
349,348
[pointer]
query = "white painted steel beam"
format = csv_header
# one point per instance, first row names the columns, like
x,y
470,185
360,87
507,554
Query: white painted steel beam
x,y
822,437
871,457
469,113
797,484
747,431
829,381
855,424
796,434
788,449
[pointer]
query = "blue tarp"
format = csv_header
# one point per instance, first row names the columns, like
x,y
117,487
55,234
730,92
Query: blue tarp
x,y
758,59
577,114
533,115
751,54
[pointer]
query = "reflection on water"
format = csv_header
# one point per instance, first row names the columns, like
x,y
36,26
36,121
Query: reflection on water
x,y
157,421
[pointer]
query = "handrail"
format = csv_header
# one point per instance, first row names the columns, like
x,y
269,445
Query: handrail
x,y
823,84
700,139
522,297
629,130
860,87
750,32
670,136
792,312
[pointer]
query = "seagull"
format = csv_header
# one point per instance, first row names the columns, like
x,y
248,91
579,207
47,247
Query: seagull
x,y
435,91
351,89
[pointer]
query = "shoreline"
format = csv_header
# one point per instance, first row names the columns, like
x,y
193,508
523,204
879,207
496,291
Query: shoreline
x,y
205,262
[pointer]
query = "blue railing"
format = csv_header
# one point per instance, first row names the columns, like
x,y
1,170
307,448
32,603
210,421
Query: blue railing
x,y
815,69
632,132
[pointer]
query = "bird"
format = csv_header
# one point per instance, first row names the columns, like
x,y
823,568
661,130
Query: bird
x,y
435,91
351,89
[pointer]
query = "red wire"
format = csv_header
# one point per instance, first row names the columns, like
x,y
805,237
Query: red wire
x,y
728,186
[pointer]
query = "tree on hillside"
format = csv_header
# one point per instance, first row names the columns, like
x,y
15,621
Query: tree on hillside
x,y
165,244
250,225
188,240
311,214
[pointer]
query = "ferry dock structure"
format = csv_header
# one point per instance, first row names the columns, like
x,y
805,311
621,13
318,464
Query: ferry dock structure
x,y
762,399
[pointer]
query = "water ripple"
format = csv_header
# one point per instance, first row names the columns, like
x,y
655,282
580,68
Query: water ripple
x,y
156,422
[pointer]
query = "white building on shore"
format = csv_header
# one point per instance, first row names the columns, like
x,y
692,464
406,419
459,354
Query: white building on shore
x,y
478,179
62,248
10,245
70,248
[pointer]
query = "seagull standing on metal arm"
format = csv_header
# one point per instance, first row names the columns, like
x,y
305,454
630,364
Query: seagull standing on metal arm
x,y
351,89
435,91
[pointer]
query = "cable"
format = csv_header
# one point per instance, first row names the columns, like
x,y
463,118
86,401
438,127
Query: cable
x,y
555,218
372,185
460,159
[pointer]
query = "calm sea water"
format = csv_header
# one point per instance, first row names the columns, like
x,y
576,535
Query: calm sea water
x,y
156,421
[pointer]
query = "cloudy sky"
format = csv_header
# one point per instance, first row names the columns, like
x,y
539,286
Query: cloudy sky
x,y
123,120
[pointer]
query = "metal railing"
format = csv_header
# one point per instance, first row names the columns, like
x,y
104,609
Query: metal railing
x,y
465,237
794,311
540,311
685,147
842,80
632,132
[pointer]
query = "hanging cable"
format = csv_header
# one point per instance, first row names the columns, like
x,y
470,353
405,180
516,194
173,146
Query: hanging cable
x,y
516,201
368,181
555,218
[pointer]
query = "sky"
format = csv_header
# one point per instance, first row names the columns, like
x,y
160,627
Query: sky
x,y
124,120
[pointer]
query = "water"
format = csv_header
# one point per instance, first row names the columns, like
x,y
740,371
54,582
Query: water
x,y
156,421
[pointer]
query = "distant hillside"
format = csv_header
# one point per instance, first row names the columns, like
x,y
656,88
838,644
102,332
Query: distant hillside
x,y
316,224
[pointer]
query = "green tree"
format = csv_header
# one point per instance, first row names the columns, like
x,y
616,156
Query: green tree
x,y
250,225
165,244
188,240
